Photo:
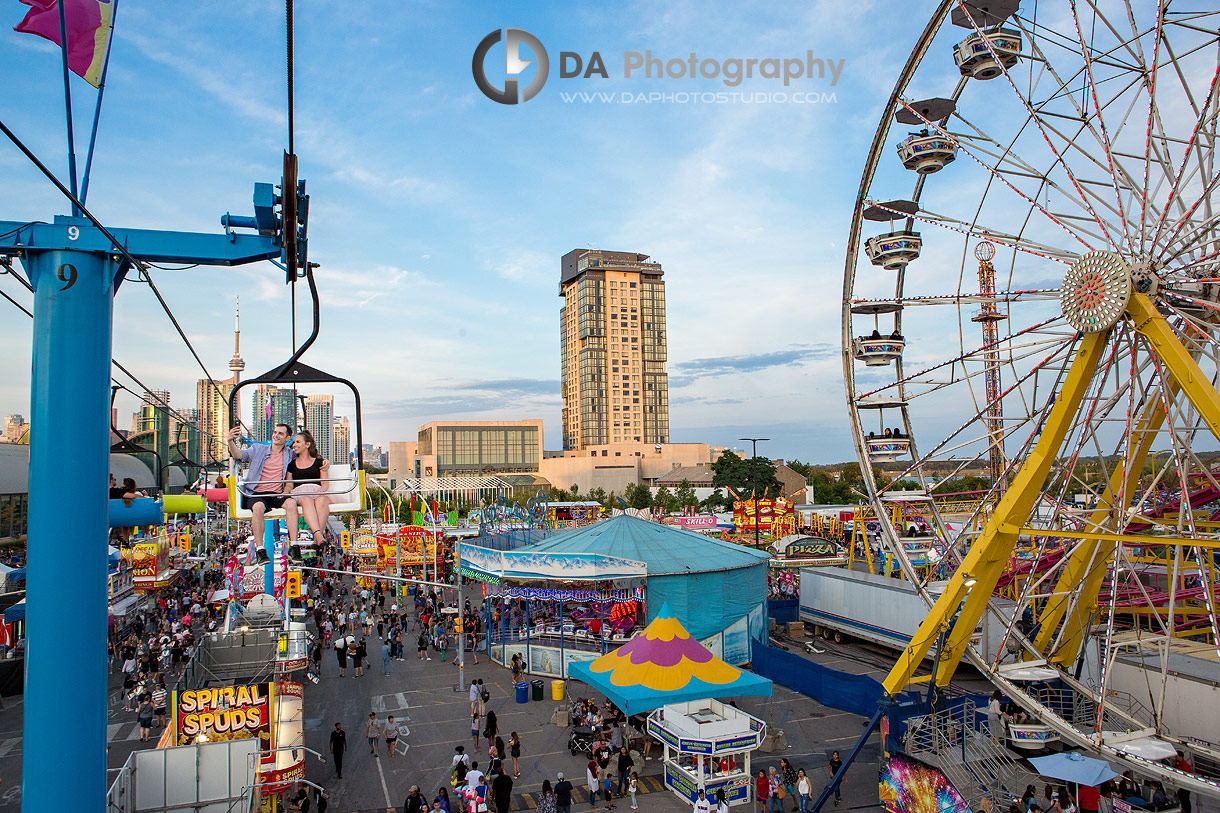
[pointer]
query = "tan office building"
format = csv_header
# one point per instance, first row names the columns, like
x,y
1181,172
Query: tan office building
x,y
478,448
612,342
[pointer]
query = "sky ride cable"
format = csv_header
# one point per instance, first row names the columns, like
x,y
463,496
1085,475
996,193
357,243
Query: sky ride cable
x,y
122,250
126,372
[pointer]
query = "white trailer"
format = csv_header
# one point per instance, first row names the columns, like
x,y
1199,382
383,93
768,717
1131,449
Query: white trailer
x,y
846,604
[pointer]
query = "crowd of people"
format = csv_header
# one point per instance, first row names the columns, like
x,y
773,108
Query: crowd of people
x,y
150,647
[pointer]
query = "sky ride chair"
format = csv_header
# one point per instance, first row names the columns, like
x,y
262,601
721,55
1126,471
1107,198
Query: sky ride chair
x,y
345,486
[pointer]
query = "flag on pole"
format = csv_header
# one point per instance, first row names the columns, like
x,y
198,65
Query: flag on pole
x,y
87,23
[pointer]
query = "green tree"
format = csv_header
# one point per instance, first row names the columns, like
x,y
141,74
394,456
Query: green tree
x,y
665,499
638,496
717,502
803,469
967,483
753,477
686,494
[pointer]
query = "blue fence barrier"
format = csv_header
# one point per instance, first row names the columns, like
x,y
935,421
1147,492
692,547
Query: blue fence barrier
x,y
784,610
857,694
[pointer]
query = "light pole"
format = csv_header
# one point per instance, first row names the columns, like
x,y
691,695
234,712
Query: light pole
x,y
754,456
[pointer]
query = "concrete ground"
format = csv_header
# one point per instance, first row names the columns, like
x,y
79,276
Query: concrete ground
x,y
424,696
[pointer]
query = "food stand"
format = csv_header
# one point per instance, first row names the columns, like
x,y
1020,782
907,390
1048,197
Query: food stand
x,y
707,745
665,671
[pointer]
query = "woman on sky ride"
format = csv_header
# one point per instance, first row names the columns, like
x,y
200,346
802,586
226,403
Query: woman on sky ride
x,y
306,476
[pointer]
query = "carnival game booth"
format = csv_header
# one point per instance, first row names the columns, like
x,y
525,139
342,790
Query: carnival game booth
x,y
555,608
588,589
707,744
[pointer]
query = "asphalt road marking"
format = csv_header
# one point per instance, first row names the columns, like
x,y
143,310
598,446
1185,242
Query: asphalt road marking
x,y
8,745
382,702
384,789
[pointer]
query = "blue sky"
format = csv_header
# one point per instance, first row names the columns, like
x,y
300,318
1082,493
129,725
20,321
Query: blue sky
x,y
439,217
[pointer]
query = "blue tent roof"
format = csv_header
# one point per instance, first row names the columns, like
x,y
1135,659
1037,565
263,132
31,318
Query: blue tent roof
x,y
665,549
15,612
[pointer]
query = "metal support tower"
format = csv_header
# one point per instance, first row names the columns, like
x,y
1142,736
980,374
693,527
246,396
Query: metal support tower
x,y
988,316
75,268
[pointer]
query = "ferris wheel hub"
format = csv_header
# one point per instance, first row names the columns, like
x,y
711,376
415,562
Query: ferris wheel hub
x,y
1095,291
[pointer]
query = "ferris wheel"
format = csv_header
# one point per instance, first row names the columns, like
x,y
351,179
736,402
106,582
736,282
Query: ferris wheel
x,y
1032,296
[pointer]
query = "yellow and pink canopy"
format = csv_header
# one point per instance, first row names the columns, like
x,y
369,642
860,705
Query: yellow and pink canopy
x,y
664,664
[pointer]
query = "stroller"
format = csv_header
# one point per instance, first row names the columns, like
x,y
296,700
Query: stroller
x,y
581,740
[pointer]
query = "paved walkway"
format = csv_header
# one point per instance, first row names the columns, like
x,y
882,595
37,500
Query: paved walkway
x,y
427,696
424,696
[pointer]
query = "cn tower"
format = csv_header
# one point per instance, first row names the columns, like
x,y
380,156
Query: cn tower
x,y
236,365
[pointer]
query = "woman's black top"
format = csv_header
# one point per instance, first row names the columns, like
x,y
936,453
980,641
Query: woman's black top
x,y
306,474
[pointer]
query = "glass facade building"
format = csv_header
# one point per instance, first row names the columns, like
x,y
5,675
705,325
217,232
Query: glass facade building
x,y
613,349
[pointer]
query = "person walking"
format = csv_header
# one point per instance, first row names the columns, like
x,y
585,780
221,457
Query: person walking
x,y
591,782
546,798
995,712
835,764
473,693
624,766
703,804
787,775
341,654
762,789
775,784
414,802
502,792
490,726
160,696
804,791
145,716
563,794
338,746
385,658
361,655
514,750
391,737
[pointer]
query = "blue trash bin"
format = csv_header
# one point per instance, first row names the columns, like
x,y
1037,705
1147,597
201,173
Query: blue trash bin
x,y
523,692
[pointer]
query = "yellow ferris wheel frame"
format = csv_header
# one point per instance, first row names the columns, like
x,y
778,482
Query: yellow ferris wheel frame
x,y
1075,597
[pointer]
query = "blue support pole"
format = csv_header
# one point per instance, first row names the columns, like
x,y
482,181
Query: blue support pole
x,y
70,415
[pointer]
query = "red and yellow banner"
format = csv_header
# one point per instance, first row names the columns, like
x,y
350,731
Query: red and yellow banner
x,y
748,514
228,713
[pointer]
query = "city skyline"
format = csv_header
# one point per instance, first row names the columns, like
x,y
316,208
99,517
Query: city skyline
x,y
436,214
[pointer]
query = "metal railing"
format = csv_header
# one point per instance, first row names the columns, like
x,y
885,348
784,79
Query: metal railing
x,y
957,742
